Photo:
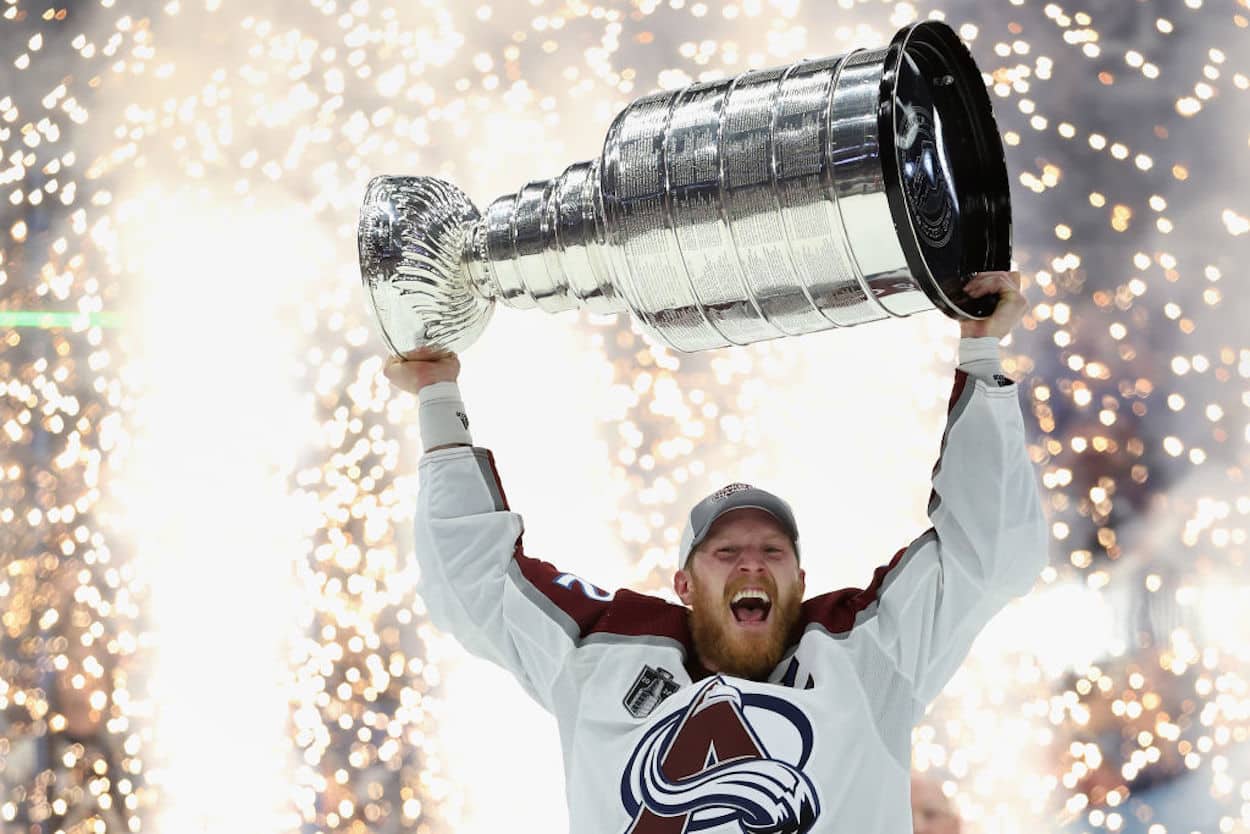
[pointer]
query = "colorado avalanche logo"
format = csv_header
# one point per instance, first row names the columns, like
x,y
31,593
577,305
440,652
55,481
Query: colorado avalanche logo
x,y
706,767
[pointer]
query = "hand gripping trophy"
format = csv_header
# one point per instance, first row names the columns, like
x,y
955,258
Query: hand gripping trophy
x,y
827,193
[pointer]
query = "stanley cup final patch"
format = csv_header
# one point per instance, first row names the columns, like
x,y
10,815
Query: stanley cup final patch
x,y
651,687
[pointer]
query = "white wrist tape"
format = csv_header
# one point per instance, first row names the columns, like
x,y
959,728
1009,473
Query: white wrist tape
x,y
442,416
979,357
981,347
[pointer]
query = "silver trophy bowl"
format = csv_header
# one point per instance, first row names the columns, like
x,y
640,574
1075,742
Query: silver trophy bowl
x,y
827,193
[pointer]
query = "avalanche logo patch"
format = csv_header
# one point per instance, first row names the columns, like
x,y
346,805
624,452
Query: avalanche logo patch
x,y
708,766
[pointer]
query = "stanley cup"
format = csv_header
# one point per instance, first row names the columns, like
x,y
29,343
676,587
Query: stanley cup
x,y
827,193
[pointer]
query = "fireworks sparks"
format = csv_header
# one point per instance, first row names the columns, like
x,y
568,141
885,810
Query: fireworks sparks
x,y
184,345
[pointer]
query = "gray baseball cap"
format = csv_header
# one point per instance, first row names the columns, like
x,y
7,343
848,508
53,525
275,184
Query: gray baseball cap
x,y
734,497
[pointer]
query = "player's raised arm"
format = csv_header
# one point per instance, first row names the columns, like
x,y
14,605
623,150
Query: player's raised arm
x,y
989,536
432,377
476,581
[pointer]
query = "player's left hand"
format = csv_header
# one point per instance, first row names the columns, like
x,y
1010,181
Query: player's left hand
x,y
1011,304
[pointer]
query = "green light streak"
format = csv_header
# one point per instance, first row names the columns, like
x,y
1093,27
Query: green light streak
x,y
48,320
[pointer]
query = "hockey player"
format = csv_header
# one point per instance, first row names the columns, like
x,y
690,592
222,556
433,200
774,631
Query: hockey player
x,y
746,709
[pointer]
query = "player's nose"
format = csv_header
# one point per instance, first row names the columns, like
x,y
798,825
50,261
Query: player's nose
x,y
751,559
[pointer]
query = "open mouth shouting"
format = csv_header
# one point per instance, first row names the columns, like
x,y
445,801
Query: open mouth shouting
x,y
750,607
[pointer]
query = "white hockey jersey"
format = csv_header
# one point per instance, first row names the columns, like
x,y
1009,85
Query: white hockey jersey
x,y
655,744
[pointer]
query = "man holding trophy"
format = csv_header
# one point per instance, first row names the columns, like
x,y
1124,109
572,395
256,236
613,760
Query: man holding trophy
x,y
825,194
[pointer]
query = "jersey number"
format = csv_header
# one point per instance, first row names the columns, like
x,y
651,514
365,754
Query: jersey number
x,y
568,580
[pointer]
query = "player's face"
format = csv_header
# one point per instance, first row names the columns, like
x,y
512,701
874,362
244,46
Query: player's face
x,y
744,588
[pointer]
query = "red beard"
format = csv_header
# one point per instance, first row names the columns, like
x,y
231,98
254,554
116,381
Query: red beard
x,y
726,647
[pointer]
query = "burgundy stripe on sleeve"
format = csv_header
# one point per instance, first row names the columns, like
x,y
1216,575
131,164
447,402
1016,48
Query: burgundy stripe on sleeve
x,y
836,610
963,386
957,390
637,615
582,608
595,611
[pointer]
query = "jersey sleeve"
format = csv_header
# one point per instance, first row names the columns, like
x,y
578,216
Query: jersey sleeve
x,y
987,544
477,583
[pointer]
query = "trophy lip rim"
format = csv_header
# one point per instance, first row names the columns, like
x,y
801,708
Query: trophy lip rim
x,y
997,255
374,186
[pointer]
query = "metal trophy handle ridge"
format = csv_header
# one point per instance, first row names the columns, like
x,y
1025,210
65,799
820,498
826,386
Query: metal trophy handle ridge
x,y
827,193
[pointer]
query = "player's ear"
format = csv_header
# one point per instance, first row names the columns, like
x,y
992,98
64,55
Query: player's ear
x,y
681,585
802,582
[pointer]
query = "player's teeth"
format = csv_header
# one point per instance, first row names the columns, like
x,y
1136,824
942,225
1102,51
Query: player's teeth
x,y
749,593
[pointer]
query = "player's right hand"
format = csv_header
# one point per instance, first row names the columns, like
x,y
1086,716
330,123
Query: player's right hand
x,y
425,367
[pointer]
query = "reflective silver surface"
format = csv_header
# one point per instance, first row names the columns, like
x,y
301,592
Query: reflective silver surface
x,y
411,237
725,213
